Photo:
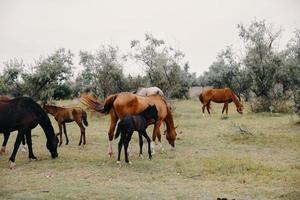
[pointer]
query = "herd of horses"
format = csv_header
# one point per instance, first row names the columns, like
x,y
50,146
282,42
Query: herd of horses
x,y
134,110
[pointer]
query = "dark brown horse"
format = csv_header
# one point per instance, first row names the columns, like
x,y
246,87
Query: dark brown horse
x,y
125,103
22,114
65,115
225,96
7,134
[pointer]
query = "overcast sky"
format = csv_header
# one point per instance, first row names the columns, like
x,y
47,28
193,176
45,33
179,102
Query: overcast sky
x,y
200,28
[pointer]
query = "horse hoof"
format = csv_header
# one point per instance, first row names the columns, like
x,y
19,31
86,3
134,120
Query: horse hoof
x,y
129,163
118,162
141,156
110,153
173,149
3,150
12,165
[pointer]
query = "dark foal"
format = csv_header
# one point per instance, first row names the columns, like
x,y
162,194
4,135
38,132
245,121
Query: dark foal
x,y
23,114
138,123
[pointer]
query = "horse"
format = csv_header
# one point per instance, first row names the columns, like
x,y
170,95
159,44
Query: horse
x,y
225,96
131,123
22,114
149,91
7,134
125,103
65,115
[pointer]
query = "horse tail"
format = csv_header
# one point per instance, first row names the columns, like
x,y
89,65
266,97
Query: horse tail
x,y
92,102
84,118
109,103
201,98
118,130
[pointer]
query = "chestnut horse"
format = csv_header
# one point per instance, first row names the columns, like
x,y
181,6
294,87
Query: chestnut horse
x,y
125,103
225,96
7,134
22,114
65,115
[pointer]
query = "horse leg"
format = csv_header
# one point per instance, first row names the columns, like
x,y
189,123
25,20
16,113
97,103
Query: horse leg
x,y
65,132
149,143
203,110
207,107
29,143
16,147
159,135
6,137
82,132
120,144
113,122
127,140
60,133
224,107
141,144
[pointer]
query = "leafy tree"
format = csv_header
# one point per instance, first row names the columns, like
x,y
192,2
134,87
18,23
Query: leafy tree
x,y
48,73
163,64
103,71
10,79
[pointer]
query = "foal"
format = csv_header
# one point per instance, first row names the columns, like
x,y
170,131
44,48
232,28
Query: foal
x,y
65,115
138,123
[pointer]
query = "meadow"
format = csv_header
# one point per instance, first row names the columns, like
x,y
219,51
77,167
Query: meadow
x,y
249,156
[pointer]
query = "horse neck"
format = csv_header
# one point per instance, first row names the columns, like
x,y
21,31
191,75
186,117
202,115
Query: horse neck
x,y
46,125
235,100
52,109
169,120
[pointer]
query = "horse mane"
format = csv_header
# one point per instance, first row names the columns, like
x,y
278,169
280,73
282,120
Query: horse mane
x,y
235,99
169,118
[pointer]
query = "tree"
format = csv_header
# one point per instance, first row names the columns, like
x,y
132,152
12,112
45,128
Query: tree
x,y
47,74
163,64
261,61
10,80
103,71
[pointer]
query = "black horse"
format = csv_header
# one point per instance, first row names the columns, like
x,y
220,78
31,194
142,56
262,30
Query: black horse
x,y
132,123
6,137
23,114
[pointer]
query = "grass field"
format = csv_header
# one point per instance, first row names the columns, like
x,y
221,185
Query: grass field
x,y
213,158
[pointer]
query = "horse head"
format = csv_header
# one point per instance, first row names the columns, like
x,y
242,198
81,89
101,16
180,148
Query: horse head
x,y
240,108
52,146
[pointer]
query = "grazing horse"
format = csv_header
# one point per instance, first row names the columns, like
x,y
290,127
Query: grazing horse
x,y
149,91
225,96
125,103
22,114
65,115
131,123
7,134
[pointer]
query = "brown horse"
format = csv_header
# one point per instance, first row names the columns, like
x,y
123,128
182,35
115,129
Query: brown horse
x,y
126,103
65,115
225,96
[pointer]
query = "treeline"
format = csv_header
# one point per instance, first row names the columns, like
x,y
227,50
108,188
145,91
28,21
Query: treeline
x,y
260,69
52,77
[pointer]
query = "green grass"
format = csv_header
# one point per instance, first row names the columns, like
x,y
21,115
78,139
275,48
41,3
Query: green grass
x,y
212,159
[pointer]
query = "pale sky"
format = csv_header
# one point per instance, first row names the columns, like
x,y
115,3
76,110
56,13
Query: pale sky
x,y
200,28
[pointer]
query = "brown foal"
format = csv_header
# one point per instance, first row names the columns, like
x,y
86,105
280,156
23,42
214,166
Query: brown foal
x,y
65,115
